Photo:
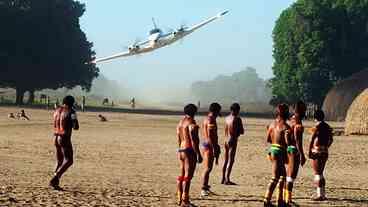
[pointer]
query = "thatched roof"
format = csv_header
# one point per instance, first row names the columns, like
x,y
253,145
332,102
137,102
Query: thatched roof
x,y
357,117
340,97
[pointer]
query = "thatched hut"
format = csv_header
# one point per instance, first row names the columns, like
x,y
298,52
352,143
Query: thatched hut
x,y
340,97
357,117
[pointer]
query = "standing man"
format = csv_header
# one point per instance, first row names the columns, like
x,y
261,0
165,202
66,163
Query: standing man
x,y
132,103
295,152
188,153
322,139
278,135
83,103
233,129
210,146
65,120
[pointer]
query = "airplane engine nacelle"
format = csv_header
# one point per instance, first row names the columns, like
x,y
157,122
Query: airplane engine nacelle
x,y
133,48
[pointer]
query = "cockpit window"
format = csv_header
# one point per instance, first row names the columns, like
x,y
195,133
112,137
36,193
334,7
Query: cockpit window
x,y
155,31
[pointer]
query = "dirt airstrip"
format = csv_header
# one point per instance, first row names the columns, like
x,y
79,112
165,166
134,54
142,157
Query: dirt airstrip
x,y
131,161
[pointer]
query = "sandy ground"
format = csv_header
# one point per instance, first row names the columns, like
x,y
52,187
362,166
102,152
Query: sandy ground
x,y
131,161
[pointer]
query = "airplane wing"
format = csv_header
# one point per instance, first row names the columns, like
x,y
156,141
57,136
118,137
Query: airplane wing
x,y
141,43
123,54
197,26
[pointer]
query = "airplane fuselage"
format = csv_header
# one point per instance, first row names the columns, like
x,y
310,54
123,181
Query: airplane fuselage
x,y
159,40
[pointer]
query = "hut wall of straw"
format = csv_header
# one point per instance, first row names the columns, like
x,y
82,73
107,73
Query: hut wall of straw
x,y
357,117
340,97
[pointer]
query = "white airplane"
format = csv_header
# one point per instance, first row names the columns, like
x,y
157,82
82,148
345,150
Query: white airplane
x,y
157,39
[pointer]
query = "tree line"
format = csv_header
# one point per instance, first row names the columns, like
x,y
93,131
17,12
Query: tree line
x,y
317,43
243,87
43,47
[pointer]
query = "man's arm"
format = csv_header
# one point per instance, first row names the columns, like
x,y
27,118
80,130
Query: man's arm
x,y
193,131
178,135
298,133
241,127
75,121
330,140
268,136
314,135
288,135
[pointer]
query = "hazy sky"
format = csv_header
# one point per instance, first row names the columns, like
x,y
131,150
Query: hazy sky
x,y
242,38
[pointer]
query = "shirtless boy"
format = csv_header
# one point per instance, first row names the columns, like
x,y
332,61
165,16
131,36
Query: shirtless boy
x,y
188,153
295,152
322,139
279,135
233,129
210,146
65,120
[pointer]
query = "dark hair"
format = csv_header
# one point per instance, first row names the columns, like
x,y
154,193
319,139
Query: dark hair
x,y
215,108
235,107
300,108
69,101
282,110
190,110
319,115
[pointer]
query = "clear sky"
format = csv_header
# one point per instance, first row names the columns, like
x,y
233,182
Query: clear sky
x,y
242,38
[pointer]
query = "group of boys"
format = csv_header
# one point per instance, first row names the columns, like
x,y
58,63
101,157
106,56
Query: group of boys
x,y
189,147
285,134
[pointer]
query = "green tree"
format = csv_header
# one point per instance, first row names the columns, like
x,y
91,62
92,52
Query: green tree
x,y
316,44
44,46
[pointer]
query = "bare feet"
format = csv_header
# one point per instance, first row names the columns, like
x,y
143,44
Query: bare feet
x,y
54,183
230,183
318,198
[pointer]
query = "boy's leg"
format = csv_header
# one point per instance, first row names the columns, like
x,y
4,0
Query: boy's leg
x,y
190,163
67,150
281,184
179,180
208,164
226,159
273,182
232,152
59,155
293,168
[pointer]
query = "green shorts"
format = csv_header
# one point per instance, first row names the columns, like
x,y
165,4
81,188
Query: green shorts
x,y
276,150
292,149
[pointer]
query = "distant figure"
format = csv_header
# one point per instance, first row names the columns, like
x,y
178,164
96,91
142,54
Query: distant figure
x,y
83,103
48,102
322,139
279,136
199,104
101,118
112,103
43,98
132,103
22,115
211,148
233,129
188,153
11,116
105,101
65,120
